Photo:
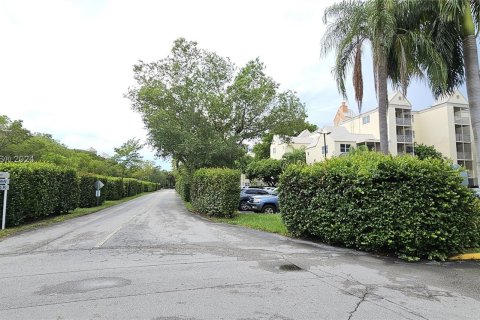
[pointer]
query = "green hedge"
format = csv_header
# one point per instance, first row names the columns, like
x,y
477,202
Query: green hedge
x,y
402,205
86,195
182,184
113,188
38,190
215,191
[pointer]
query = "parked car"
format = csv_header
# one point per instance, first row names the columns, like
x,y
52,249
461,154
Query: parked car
x,y
264,203
247,193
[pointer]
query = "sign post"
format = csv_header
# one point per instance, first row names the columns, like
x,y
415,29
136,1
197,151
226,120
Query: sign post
x,y
98,185
4,185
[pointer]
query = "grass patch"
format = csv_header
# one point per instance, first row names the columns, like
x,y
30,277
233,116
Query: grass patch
x,y
60,218
260,221
265,222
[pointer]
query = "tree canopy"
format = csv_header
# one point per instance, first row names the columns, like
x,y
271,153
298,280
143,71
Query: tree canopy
x,y
199,108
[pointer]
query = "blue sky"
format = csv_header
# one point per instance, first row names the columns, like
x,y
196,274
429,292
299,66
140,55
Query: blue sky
x,y
66,64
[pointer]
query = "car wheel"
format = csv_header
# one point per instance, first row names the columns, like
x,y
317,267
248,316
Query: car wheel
x,y
244,205
269,209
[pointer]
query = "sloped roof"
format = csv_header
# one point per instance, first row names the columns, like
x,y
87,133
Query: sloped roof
x,y
457,97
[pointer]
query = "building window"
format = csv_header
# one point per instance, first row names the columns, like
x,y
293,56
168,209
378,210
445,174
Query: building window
x,y
366,119
344,148
274,150
324,150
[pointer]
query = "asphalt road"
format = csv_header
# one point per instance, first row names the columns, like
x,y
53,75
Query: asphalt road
x,y
151,259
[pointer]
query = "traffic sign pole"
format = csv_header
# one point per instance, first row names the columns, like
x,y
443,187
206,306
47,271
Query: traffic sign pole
x,y
4,215
4,181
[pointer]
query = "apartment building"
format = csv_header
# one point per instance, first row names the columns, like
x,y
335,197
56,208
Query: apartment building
x,y
446,125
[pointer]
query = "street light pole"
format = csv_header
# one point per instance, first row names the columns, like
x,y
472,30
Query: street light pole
x,y
324,132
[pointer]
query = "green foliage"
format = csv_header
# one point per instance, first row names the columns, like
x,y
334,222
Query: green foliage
x,y
423,151
38,190
215,191
402,205
113,188
296,156
86,190
128,156
199,109
267,170
262,149
182,183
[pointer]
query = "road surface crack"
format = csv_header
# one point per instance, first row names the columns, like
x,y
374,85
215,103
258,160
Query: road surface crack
x,y
362,299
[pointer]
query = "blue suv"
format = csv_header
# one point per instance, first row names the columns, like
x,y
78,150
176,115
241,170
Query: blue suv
x,y
264,203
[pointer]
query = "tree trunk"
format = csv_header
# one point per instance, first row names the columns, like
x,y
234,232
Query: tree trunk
x,y
473,91
382,101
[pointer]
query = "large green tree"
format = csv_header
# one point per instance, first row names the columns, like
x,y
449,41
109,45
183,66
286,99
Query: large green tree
x,y
128,155
400,51
199,108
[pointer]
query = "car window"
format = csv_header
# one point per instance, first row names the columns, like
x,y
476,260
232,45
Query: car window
x,y
262,192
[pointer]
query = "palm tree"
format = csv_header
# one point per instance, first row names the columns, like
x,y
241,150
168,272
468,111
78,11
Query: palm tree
x,y
458,21
399,50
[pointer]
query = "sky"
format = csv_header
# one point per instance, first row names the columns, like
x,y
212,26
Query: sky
x,y
65,65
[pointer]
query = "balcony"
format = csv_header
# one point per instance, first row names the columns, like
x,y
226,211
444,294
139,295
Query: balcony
x,y
403,121
464,155
462,120
405,138
460,137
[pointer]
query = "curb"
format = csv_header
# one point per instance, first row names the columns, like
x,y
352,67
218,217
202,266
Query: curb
x,y
466,256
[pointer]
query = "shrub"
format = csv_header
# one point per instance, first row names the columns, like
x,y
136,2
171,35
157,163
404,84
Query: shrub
x,y
215,191
86,194
402,205
38,190
113,188
132,187
182,184
267,170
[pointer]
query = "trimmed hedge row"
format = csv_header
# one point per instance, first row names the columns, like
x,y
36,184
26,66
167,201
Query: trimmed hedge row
x,y
215,191
402,205
182,184
38,190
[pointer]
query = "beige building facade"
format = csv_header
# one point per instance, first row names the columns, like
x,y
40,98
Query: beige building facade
x,y
446,125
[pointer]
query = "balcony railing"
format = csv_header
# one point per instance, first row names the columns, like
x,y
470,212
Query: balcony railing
x,y
404,138
462,120
404,121
463,137
464,155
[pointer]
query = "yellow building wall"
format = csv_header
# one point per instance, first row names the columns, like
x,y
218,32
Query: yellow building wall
x,y
436,127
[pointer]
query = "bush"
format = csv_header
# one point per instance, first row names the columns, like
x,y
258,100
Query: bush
x,y
113,188
215,191
403,205
38,190
86,187
182,184
132,187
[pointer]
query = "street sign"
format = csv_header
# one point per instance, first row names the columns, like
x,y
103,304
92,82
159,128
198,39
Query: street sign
x,y
98,185
97,193
4,187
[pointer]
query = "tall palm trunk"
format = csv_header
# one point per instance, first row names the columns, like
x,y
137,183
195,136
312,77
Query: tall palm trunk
x,y
382,101
473,90
472,77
